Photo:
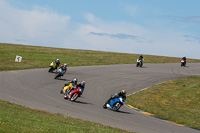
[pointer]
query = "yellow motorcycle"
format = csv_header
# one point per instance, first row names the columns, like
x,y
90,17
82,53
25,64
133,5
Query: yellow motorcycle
x,y
66,88
52,66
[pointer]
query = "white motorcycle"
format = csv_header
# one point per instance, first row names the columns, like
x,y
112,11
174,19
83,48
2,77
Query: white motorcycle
x,y
139,63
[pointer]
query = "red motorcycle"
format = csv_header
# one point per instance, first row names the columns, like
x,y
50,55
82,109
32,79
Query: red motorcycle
x,y
74,94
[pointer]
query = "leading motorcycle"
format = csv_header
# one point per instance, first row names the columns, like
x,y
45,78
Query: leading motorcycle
x,y
183,62
139,63
52,66
115,104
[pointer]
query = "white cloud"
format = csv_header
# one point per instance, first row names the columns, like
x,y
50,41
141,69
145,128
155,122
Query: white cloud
x,y
98,35
37,26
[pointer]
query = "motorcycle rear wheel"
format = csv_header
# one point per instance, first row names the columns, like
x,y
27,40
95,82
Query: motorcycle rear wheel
x,y
50,69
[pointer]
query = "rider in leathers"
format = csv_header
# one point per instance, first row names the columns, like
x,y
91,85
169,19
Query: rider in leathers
x,y
117,95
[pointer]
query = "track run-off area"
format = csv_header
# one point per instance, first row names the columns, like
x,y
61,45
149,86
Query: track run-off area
x,y
38,89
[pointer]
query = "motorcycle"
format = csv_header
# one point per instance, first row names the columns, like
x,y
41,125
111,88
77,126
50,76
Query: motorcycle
x,y
139,63
66,89
74,94
60,73
52,66
114,104
183,62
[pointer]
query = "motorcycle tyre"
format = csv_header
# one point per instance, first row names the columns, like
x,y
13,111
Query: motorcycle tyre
x,y
57,76
50,69
65,96
104,106
116,108
74,97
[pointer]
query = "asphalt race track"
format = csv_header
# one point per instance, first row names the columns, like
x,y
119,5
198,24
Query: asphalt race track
x,y
38,89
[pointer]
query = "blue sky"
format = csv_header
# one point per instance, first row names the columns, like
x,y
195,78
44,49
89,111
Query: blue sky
x,y
155,27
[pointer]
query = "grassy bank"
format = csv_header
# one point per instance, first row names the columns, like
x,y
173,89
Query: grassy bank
x,y
15,118
41,57
176,100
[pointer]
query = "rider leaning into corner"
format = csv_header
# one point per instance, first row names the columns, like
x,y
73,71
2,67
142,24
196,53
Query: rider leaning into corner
x,y
64,67
57,61
74,82
81,85
117,95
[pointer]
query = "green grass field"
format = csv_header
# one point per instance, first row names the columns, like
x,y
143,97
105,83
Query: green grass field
x,y
41,57
18,119
177,100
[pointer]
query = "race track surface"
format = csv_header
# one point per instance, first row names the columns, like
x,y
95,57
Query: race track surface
x,y
38,89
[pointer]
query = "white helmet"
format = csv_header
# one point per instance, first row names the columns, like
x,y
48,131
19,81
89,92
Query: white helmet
x,y
75,80
65,65
83,83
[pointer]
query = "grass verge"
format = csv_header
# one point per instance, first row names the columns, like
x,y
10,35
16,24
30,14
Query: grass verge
x,y
41,57
176,100
15,118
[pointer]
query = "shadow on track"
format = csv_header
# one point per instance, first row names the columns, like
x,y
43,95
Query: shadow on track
x,y
123,112
62,79
81,102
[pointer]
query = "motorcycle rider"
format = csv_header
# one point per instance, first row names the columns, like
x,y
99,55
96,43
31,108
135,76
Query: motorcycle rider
x,y
117,95
64,67
140,57
184,58
57,61
81,85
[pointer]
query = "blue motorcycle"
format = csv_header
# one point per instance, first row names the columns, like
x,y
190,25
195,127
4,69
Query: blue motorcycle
x,y
115,104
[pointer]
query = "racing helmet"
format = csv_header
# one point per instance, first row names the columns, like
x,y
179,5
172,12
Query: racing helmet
x,y
123,92
65,65
83,83
57,60
75,80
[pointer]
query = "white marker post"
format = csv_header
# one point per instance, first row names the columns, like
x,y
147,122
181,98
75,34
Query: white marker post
x,y
18,58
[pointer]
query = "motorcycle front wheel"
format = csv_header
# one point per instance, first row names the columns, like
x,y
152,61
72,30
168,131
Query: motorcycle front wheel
x,y
74,97
57,76
116,107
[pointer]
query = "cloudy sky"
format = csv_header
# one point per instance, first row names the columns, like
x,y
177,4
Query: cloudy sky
x,y
155,27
